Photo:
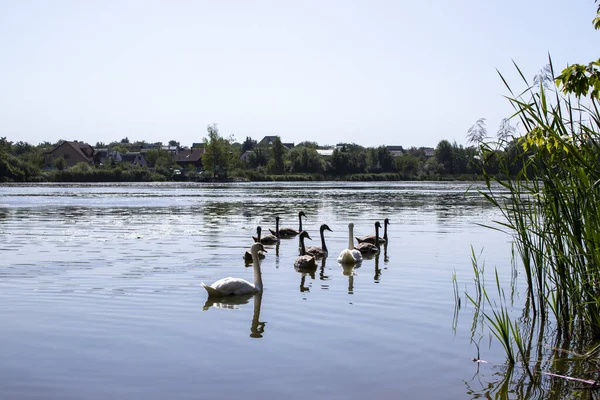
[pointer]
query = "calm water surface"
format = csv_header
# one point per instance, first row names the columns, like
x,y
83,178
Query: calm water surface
x,y
100,293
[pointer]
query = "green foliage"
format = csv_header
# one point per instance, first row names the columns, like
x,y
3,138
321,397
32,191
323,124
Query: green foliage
x,y
60,163
349,159
217,157
277,163
310,145
158,158
444,155
82,167
248,144
258,157
549,200
305,160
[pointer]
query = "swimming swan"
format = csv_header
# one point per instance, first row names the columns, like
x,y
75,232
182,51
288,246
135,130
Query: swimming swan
x,y
317,251
350,255
304,261
237,286
371,238
367,248
290,232
248,253
270,239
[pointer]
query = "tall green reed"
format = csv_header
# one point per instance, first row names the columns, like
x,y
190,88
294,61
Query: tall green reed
x,y
551,205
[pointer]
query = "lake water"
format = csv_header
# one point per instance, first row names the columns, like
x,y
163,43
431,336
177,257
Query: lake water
x,y
101,297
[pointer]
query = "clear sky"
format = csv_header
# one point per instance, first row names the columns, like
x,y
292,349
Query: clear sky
x,y
374,72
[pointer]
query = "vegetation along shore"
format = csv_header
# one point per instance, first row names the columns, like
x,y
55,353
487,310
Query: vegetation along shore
x,y
270,159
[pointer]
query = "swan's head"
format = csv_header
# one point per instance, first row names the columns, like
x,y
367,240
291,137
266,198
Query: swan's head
x,y
386,221
305,235
377,224
258,230
350,225
325,227
256,247
276,219
301,214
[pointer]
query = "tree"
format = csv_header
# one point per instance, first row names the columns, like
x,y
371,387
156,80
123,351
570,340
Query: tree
x,y
385,159
60,163
477,133
581,79
349,159
312,145
305,160
248,144
173,143
277,156
258,157
125,140
159,158
216,158
444,155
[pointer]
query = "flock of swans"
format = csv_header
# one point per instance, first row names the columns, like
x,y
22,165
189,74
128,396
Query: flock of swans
x,y
307,259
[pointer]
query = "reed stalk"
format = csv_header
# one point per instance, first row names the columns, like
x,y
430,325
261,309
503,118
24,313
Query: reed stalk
x,y
551,206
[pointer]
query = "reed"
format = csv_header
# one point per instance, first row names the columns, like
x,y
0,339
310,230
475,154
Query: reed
x,y
551,206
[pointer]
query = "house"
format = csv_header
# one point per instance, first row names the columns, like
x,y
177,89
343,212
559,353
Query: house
x,y
429,151
246,155
325,152
135,157
72,152
395,150
190,158
104,156
267,141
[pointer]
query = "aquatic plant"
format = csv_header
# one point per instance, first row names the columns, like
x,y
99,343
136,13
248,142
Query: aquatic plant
x,y
551,206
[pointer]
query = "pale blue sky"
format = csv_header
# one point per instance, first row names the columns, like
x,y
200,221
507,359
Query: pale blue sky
x,y
375,72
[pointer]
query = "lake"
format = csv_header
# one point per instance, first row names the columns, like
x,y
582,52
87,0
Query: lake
x,y
101,297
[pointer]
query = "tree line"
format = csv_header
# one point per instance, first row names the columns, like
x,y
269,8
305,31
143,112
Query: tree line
x,y
23,162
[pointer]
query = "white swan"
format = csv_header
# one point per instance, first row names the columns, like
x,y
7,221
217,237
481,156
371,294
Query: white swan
x,y
350,255
237,286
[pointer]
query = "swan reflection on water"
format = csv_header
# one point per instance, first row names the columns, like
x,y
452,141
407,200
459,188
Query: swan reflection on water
x,y
257,328
231,302
349,270
304,273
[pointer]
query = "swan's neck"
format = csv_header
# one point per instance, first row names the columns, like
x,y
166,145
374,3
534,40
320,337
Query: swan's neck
x,y
300,224
302,248
385,231
258,283
350,241
376,236
323,240
277,228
